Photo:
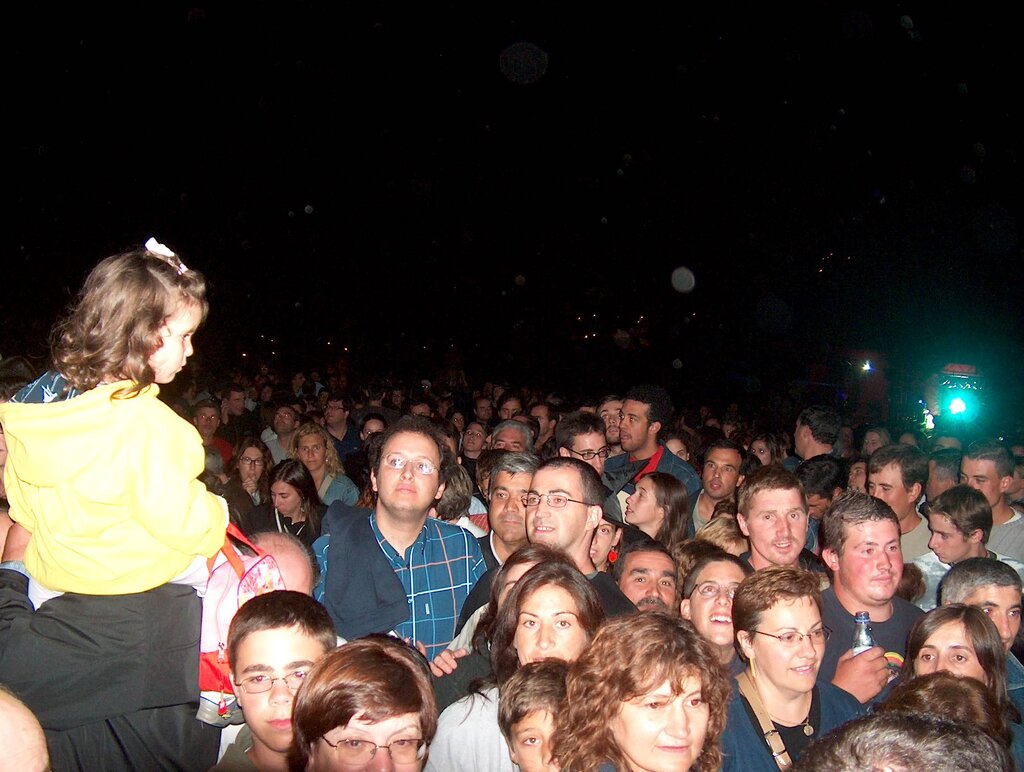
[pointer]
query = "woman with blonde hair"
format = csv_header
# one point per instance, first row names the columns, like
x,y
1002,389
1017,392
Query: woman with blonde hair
x,y
312,445
649,694
724,531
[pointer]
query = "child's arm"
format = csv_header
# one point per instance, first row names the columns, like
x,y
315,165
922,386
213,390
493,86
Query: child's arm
x,y
15,542
174,506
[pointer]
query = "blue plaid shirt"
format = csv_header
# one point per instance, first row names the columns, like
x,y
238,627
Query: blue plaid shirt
x,y
437,571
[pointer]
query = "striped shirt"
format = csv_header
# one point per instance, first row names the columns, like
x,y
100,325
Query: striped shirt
x,y
437,571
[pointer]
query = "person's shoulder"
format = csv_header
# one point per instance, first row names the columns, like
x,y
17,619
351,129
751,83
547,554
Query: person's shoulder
x,y
616,462
1016,565
469,705
452,532
904,608
838,700
831,607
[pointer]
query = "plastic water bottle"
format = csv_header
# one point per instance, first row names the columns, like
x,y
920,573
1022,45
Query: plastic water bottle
x,y
862,638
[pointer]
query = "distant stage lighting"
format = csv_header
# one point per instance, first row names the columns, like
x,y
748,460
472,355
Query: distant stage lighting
x,y
957,406
866,367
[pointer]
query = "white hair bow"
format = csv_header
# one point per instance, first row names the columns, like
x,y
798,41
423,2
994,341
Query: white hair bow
x,y
154,246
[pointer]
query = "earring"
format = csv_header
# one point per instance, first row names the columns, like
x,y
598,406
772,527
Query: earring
x,y
613,555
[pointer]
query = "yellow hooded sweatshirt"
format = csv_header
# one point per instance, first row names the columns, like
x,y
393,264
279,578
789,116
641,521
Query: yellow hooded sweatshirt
x,y
108,489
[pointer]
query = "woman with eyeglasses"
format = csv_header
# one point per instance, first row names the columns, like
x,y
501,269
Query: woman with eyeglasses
x,y
778,706
248,486
313,446
553,612
362,706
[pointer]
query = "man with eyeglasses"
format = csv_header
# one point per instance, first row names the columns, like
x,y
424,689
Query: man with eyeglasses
x,y
398,569
344,434
707,592
206,418
279,438
563,509
861,537
582,435
273,642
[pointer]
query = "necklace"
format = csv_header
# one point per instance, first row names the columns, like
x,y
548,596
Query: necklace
x,y
806,723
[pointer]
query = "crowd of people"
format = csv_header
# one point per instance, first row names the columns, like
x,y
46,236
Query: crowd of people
x,y
488,578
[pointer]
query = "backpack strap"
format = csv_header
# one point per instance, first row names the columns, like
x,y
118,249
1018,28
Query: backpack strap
x,y
230,553
771,734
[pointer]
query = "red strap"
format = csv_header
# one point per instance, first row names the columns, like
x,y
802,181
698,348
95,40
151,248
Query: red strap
x,y
231,554
652,463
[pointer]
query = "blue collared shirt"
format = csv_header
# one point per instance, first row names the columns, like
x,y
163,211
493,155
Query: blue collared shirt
x,y
437,571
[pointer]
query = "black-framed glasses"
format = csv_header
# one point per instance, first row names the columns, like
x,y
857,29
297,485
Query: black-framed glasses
x,y
404,751
793,639
264,682
251,461
588,455
554,500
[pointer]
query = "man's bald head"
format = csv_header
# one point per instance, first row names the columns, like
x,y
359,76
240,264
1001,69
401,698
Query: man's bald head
x,y
298,567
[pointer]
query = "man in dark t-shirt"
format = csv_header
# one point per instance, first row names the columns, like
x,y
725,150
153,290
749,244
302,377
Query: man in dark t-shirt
x,y
861,537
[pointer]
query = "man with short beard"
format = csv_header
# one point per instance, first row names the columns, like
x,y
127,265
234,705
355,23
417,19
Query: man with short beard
x,y
609,410
646,574
645,410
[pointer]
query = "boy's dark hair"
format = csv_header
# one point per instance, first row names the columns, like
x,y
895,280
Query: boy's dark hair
x,y
966,509
281,608
912,462
536,686
821,475
994,451
947,463
824,423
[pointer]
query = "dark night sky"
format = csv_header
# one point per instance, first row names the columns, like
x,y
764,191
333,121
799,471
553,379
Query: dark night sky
x,y
409,183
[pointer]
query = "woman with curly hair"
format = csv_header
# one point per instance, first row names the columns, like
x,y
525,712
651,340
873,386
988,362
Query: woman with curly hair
x,y
649,694
313,446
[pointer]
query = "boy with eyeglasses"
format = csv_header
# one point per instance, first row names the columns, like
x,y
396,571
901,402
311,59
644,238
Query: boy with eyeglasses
x,y
707,594
273,642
